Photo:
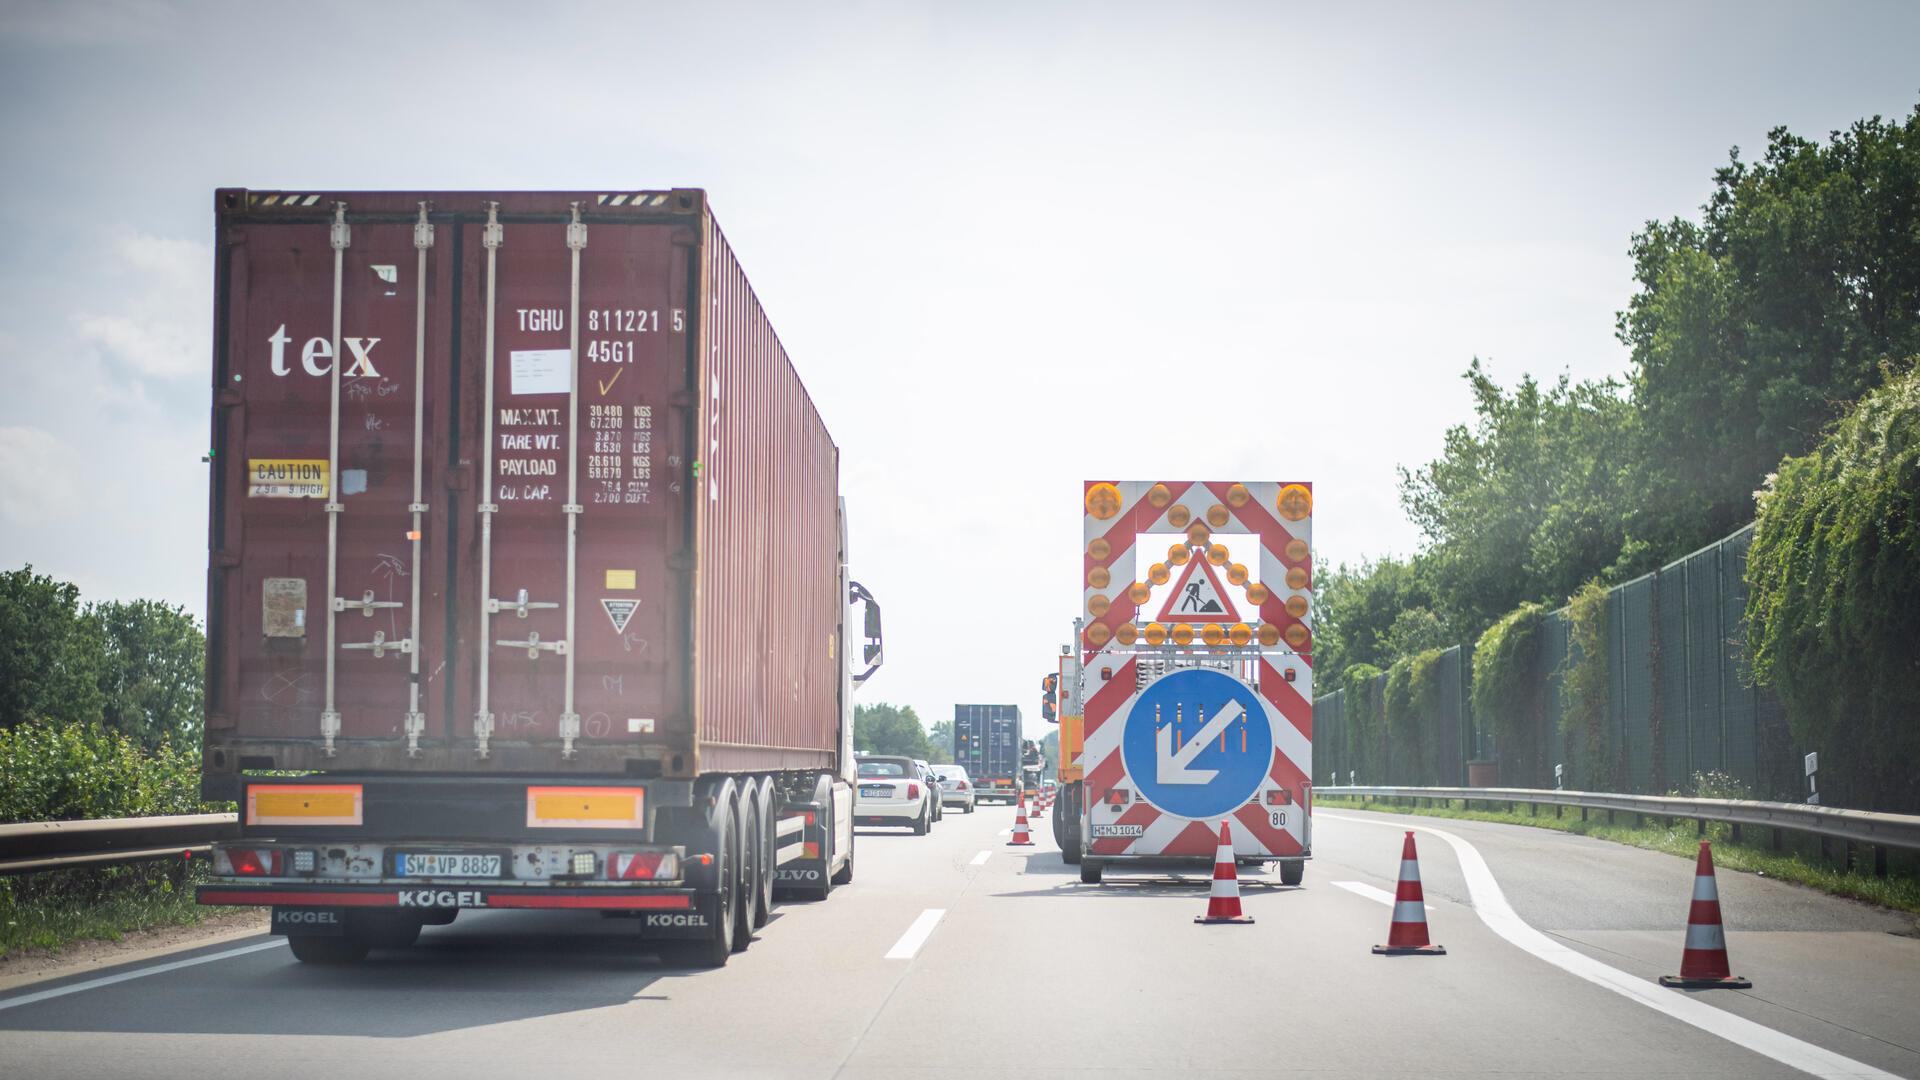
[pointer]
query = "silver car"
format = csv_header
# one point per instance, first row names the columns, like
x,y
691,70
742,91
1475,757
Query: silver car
x,y
956,787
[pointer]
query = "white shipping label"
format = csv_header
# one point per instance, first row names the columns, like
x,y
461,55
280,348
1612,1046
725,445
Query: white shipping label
x,y
542,371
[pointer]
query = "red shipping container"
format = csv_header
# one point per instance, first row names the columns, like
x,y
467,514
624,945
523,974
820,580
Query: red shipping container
x,y
435,331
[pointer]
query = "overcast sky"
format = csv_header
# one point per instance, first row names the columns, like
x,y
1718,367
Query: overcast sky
x,y
1009,246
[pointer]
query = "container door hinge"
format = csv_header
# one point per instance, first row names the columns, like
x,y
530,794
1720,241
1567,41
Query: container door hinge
x,y
416,727
329,730
569,731
482,731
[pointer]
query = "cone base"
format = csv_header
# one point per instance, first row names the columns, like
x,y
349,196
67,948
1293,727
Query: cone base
x,y
1019,843
1409,950
1681,982
1238,920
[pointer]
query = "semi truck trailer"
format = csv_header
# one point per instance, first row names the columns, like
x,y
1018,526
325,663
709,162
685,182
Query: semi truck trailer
x,y
527,580
986,742
1187,694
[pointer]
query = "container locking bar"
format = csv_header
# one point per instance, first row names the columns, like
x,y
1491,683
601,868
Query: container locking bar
x,y
338,237
569,726
416,720
491,237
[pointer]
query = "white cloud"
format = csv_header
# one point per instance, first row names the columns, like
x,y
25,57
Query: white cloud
x,y
157,324
38,481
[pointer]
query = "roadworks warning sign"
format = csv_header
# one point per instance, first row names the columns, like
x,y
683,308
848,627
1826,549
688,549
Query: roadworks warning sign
x,y
1199,597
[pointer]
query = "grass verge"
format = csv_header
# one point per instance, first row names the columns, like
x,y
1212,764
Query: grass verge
x,y
1799,861
49,911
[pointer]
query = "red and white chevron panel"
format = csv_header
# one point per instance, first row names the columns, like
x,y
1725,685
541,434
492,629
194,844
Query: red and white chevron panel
x,y
1276,663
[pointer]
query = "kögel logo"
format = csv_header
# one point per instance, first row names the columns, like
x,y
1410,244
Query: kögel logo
x,y
442,898
687,919
306,918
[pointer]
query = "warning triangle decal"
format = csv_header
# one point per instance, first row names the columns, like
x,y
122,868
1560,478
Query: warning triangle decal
x,y
620,612
1198,598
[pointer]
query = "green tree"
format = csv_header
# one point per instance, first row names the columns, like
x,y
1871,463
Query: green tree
x,y
1354,610
881,728
1527,503
50,654
1753,328
940,743
1834,604
152,669
1417,630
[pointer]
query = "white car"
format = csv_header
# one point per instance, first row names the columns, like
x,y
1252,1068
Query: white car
x,y
892,792
956,787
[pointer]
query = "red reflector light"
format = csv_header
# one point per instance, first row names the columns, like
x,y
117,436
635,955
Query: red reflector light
x,y
963,785
1282,797
1116,797
254,862
643,866
809,850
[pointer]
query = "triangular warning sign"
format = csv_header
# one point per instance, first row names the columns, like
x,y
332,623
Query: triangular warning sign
x,y
1198,598
620,612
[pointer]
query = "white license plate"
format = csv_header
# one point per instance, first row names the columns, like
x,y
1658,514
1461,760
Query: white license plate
x,y
1119,830
876,793
417,864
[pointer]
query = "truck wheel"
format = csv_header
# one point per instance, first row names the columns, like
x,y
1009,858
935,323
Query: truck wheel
x,y
1291,873
719,838
1090,871
763,897
348,949
747,843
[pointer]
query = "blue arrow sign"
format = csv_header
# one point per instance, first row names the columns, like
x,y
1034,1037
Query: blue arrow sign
x,y
1197,743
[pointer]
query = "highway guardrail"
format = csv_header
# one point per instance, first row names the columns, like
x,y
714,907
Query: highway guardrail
x,y
35,846
1881,831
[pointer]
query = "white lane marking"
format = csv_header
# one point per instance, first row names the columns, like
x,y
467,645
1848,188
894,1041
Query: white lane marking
x,y
1492,907
126,976
1006,832
1361,888
916,935
981,859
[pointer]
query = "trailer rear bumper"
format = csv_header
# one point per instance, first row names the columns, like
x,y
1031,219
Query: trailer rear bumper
x,y
426,898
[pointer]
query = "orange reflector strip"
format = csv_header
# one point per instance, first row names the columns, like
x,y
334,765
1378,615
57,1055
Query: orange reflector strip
x,y
304,804
810,851
586,807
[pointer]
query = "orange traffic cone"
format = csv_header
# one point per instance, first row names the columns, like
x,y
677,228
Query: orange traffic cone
x,y
1703,964
1408,934
1223,902
1020,836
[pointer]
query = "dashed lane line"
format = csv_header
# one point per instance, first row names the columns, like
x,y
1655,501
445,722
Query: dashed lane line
x,y
1361,888
981,859
916,935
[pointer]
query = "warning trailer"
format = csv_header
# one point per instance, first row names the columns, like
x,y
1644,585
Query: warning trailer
x,y
1191,683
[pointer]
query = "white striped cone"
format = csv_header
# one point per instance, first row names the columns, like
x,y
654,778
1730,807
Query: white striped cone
x,y
1223,901
1407,936
1703,963
1021,838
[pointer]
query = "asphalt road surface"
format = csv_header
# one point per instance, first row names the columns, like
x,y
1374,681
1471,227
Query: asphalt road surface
x,y
955,955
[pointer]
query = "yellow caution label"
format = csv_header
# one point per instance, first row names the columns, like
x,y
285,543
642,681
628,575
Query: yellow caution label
x,y
620,579
287,478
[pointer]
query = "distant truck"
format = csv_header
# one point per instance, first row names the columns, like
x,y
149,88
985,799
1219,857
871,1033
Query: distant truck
x,y
1186,700
986,742
528,572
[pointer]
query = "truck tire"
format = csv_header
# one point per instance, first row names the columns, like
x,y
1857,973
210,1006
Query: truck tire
x,y
346,949
752,866
1090,870
1292,873
717,836
769,821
